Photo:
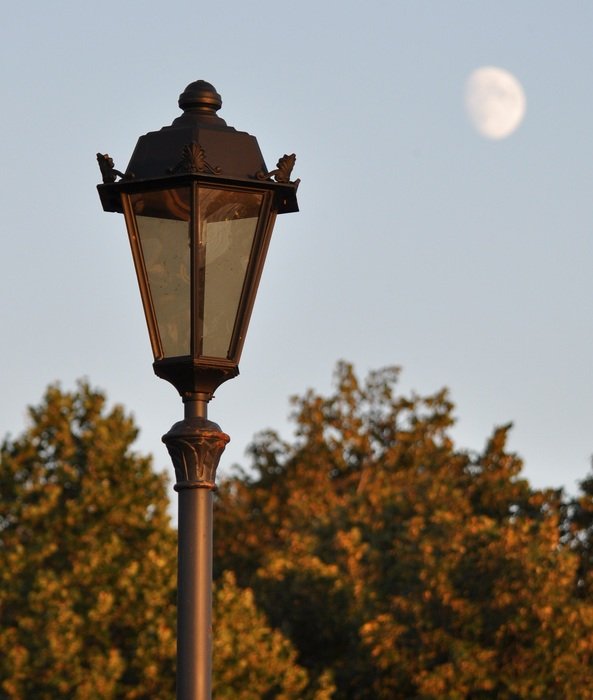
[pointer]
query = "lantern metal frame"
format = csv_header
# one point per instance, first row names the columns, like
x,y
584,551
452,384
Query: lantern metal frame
x,y
182,156
196,373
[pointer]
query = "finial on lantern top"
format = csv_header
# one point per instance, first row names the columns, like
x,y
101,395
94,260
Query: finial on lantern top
x,y
200,97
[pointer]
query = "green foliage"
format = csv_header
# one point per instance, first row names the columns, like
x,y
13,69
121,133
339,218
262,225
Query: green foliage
x,y
88,571
409,568
368,558
253,662
87,558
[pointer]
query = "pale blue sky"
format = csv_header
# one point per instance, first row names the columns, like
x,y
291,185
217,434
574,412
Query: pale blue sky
x,y
419,243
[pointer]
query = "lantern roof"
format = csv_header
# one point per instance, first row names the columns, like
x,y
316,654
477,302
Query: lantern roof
x,y
198,143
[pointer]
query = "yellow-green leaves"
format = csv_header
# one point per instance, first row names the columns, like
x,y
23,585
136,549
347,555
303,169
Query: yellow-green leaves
x,y
88,572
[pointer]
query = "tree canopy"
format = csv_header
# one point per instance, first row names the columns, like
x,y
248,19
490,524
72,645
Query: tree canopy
x,y
409,567
366,557
88,571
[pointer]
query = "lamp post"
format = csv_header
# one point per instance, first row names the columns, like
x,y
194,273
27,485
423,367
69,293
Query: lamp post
x,y
199,205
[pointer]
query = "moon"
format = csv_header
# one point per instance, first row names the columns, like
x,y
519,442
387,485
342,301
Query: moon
x,y
494,101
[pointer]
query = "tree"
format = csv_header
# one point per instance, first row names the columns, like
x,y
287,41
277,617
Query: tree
x,y
87,557
367,558
407,567
252,661
88,571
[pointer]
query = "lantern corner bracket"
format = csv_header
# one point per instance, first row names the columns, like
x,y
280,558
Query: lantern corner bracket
x,y
108,171
282,172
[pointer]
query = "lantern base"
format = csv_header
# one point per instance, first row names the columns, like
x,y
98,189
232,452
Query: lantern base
x,y
192,377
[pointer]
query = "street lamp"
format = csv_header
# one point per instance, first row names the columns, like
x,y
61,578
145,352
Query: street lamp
x,y
199,205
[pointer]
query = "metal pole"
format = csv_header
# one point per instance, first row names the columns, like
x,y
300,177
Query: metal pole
x,y
195,445
194,586
194,596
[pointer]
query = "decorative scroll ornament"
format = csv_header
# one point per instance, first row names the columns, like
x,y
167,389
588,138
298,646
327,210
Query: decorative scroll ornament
x,y
283,170
108,172
193,160
195,446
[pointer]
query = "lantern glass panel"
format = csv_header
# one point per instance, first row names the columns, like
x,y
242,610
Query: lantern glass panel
x,y
163,224
227,225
